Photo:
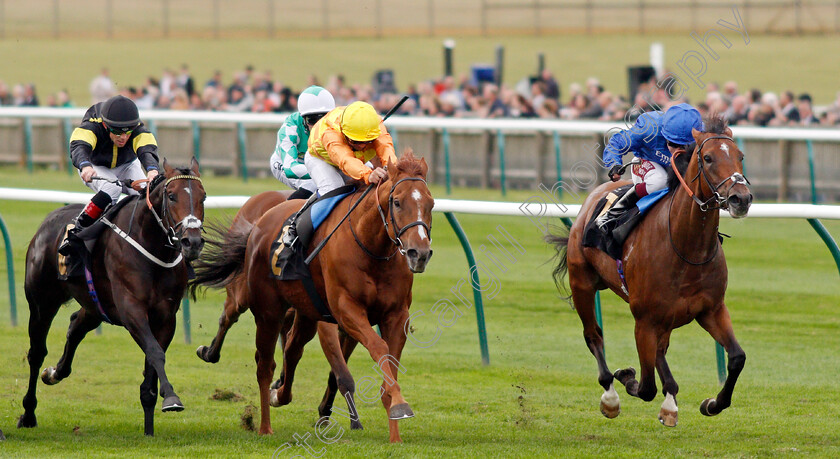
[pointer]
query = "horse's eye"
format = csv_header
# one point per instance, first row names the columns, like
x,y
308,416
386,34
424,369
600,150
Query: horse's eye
x,y
707,158
741,157
172,197
204,198
396,203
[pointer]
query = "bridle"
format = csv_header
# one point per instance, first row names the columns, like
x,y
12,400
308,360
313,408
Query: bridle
x,y
717,198
174,230
394,227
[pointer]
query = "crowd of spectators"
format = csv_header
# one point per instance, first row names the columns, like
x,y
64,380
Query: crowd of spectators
x,y
538,96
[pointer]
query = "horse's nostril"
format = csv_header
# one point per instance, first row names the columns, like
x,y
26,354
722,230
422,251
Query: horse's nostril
x,y
734,200
411,253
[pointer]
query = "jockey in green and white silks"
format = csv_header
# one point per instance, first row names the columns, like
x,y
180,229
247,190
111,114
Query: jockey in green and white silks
x,y
292,139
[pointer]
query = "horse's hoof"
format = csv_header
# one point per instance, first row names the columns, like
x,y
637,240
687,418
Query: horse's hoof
x,y
27,421
172,403
707,406
610,412
401,411
668,418
625,375
273,400
48,376
203,353
356,425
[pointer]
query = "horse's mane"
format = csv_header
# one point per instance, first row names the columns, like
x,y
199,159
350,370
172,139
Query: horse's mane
x,y
409,164
713,123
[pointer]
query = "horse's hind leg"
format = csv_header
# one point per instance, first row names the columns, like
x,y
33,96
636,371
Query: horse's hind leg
x,y
42,311
268,330
719,325
81,322
668,410
583,296
301,333
230,316
338,350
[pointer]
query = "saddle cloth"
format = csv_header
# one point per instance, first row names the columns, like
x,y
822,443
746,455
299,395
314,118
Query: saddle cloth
x,y
612,240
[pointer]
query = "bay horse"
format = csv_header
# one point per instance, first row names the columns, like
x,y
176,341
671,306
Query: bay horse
x,y
675,271
248,214
365,273
139,274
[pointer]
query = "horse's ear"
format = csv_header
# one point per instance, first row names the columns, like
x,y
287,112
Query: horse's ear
x,y
392,167
696,134
424,167
166,169
194,166
727,132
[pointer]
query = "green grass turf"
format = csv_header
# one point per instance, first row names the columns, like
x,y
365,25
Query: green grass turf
x,y
768,62
538,398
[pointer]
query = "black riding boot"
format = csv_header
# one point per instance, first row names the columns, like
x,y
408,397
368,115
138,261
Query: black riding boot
x,y
622,205
291,236
92,211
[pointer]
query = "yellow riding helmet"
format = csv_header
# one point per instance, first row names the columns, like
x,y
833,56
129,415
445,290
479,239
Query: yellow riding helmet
x,y
360,122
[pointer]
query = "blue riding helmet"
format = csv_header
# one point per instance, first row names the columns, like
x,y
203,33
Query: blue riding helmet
x,y
678,122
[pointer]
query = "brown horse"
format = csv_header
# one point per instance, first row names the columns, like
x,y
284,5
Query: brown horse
x,y
365,272
250,212
675,271
139,273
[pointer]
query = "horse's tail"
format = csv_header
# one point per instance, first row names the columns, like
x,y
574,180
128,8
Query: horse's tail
x,y
223,257
561,245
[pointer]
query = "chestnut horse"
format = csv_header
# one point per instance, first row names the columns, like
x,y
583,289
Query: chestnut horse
x,y
675,271
365,272
139,272
249,213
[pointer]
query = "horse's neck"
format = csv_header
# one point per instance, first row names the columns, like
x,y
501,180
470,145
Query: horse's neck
x,y
692,230
141,225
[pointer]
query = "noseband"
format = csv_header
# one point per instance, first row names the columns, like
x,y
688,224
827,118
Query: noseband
x,y
174,230
718,199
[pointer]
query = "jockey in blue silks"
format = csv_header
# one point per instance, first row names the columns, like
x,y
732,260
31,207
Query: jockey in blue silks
x,y
653,139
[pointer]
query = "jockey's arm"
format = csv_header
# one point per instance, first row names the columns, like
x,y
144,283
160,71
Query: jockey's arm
x,y
288,139
384,147
342,156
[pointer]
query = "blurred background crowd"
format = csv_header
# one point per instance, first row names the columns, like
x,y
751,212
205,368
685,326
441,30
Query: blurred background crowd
x,y
541,96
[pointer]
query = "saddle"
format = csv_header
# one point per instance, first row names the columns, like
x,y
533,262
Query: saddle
x,y
288,263
612,240
82,243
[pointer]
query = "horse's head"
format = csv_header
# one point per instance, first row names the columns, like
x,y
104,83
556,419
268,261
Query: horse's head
x,y
180,197
410,210
719,167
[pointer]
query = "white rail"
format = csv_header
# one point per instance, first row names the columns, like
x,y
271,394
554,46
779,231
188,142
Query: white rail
x,y
531,208
506,125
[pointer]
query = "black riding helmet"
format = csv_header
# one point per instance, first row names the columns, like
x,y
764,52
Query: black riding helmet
x,y
119,112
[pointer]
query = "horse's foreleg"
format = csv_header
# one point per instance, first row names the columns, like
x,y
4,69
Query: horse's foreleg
x,y
645,387
141,331
393,332
354,321
303,330
668,411
719,325
148,398
338,352
81,322
266,340
40,320
583,296
230,316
